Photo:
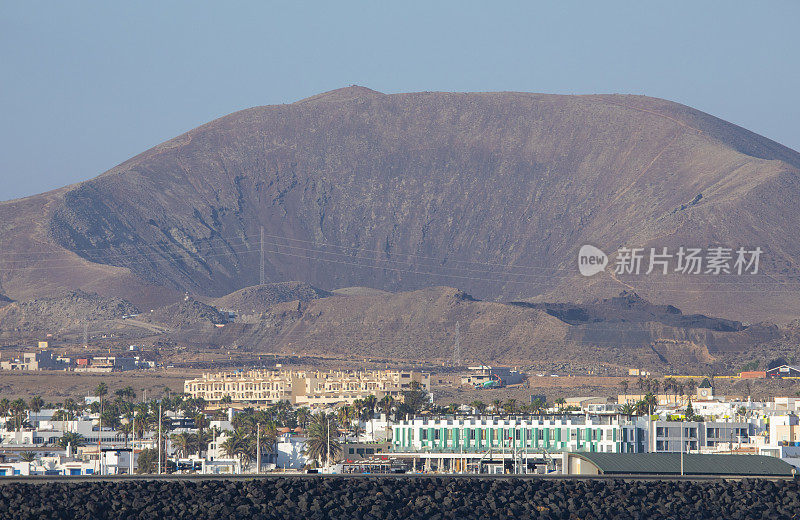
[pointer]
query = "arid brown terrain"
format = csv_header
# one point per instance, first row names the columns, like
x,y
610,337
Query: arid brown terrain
x,y
385,220
356,325
492,193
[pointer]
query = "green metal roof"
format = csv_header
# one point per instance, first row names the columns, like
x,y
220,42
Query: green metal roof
x,y
670,464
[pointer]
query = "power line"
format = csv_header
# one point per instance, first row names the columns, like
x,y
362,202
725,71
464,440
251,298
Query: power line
x,y
137,258
262,278
457,346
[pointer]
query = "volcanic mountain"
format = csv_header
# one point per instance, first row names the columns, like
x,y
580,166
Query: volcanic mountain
x,y
493,193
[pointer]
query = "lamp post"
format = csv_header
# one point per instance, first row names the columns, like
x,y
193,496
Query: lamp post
x,y
681,448
258,448
159,438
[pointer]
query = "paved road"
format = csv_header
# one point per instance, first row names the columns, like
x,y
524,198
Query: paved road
x,y
40,479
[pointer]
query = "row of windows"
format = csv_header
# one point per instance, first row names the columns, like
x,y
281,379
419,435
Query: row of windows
x,y
494,435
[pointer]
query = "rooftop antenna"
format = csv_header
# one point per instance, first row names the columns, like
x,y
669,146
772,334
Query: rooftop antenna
x,y
261,277
457,346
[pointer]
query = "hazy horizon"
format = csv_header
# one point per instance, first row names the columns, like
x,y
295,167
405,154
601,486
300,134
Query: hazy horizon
x,y
88,88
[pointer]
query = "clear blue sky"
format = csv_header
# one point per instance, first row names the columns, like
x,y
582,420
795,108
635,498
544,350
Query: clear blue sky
x,y
86,85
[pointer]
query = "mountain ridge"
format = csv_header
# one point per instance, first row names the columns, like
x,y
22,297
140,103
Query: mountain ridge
x,y
492,192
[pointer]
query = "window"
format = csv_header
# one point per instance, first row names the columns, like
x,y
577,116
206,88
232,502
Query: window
x,y
351,451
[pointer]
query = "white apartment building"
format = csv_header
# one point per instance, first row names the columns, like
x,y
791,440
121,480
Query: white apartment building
x,y
479,434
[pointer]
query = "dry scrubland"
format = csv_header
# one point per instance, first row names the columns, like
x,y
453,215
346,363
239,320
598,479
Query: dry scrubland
x,y
56,386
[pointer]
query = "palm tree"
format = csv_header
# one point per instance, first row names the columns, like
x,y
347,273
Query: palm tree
x,y
101,390
71,407
111,418
386,405
640,383
204,436
27,456
127,393
656,386
267,439
344,416
147,462
37,403
184,443
370,403
284,413
5,407
669,385
624,385
414,400
358,408
322,445
71,438
238,445
628,409
510,406
691,386
304,416
560,402
141,420
18,407
538,405
126,429
496,405
647,404
478,406
61,415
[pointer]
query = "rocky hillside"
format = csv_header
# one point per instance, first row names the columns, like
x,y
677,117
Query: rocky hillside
x,y
185,314
491,192
68,310
416,326
421,326
258,298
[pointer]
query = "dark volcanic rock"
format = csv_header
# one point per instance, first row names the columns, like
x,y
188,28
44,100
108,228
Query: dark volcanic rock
x,y
390,498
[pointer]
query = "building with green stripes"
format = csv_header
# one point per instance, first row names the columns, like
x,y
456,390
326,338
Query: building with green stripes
x,y
529,434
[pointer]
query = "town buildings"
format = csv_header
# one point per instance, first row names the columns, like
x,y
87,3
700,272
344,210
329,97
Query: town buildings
x,y
43,360
311,387
783,372
491,377
47,360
